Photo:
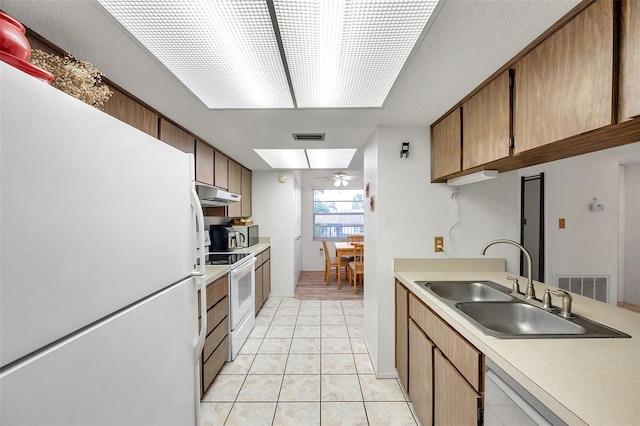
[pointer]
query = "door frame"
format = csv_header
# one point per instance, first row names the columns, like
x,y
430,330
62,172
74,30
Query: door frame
x,y
541,253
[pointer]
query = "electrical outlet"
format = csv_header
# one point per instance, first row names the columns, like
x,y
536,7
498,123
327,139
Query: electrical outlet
x,y
438,244
562,223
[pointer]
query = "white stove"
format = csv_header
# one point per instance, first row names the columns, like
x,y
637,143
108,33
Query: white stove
x,y
241,295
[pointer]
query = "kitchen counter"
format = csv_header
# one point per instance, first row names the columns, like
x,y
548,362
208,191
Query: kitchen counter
x,y
213,272
583,381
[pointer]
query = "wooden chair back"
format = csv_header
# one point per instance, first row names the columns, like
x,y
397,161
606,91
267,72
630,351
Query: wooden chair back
x,y
355,238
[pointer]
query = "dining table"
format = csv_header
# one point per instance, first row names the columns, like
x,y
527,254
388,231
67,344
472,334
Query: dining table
x,y
343,249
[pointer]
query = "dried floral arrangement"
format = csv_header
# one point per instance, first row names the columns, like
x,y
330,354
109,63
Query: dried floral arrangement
x,y
77,78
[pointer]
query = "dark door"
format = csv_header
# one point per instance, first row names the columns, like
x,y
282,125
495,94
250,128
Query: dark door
x,y
532,224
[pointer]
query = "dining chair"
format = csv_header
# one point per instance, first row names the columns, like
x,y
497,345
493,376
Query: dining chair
x,y
330,262
356,267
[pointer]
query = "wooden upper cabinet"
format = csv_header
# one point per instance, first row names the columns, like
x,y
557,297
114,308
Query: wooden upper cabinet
x,y
204,163
235,185
486,124
446,146
246,192
131,112
221,170
564,86
176,137
629,83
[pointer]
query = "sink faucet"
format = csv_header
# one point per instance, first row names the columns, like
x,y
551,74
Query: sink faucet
x,y
530,292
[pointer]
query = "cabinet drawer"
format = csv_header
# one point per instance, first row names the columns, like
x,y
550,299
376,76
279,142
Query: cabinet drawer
x,y
212,366
259,260
462,354
216,314
214,338
266,255
217,290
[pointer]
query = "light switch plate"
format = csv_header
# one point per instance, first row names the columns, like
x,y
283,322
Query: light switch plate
x,y
438,244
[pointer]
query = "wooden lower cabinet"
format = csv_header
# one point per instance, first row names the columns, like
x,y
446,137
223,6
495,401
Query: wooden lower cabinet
x,y
216,343
421,373
266,279
402,334
455,402
263,278
444,370
258,289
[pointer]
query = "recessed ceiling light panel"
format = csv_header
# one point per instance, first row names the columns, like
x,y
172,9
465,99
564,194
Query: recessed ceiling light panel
x,y
348,53
284,158
225,52
330,158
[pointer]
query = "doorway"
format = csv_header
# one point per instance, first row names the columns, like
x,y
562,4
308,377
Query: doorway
x,y
532,224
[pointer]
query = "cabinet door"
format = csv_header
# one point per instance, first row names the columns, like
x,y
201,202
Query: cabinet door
x,y
564,86
131,112
246,192
266,280
258,290
630,60
220,178
486,124
235,185
421,374
455,402
176,137
204,163
446,146
402,336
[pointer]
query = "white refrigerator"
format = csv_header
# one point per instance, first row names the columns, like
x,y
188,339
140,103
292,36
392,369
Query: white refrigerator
x,y
98,275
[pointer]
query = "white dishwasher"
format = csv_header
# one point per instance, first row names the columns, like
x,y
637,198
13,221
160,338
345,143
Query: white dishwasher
x,y
507,403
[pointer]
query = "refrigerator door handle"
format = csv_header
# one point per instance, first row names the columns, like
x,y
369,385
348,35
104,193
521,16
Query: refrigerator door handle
x,y
199,276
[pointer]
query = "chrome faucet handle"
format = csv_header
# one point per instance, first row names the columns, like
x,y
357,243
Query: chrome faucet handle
x,y
516,287
566,302
546,301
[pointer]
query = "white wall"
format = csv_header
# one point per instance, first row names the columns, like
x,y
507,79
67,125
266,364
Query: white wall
x,y
273,211
589,243
312,259
410,212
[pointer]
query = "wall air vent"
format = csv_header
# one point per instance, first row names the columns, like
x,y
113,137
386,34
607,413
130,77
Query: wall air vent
x,y
593,286
308,136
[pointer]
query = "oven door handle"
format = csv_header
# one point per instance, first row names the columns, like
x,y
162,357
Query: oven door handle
x,y
244,268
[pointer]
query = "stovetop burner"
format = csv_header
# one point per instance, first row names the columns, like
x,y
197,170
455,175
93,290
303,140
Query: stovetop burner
x,y
224,258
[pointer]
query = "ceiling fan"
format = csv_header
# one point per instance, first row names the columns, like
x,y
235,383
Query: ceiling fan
x,y
340,178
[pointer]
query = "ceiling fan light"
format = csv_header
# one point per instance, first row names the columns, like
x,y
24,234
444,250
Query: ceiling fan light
x,y
336,183
344,182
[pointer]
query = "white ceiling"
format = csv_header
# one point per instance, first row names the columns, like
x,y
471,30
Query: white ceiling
x,y
467,42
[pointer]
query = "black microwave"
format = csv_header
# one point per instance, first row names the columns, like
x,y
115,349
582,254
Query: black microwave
x,y
249,235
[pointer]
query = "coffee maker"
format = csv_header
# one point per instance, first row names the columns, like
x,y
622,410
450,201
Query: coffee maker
x,y
223,238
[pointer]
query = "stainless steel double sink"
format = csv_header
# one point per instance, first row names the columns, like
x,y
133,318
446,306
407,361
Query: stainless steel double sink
x,y
491,308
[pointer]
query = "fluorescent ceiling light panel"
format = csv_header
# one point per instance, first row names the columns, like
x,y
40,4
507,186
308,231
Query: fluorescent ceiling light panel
x,y
473,177
348,53
284,158
225,52
330,158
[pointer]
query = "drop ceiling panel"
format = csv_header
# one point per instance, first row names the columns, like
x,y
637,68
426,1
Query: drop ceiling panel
x,y
225,52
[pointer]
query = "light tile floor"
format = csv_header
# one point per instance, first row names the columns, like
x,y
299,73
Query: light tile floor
x,y
305,363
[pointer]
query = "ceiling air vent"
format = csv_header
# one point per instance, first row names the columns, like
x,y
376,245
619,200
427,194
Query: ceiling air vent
x,y
308,136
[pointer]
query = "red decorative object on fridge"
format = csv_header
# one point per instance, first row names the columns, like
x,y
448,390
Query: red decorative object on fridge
x,y
15,49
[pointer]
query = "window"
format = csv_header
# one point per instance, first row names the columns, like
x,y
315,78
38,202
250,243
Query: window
x,y
337,213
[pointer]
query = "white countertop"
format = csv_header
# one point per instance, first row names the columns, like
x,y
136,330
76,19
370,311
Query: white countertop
x,y
213,272
584,381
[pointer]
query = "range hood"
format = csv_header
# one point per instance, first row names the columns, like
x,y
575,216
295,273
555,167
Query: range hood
x,y
215,197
